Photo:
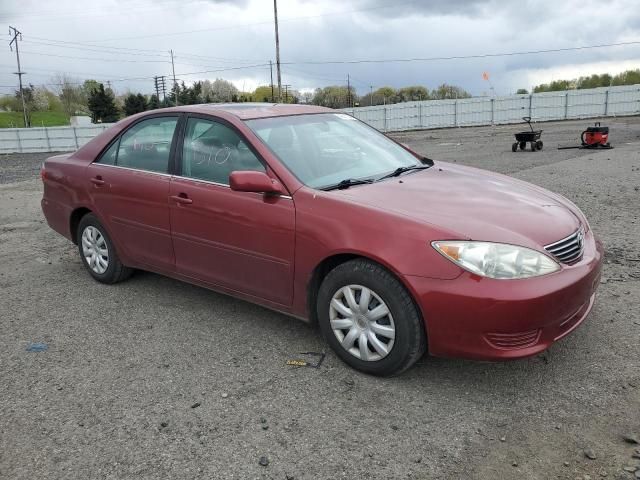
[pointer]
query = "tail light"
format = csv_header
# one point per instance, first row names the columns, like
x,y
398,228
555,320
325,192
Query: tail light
x,y
43,173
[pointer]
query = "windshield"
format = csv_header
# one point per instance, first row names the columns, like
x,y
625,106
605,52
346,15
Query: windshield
x,y
324,149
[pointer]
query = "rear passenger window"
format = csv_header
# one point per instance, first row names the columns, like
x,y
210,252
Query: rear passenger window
x,y
147,145
212,151
109,157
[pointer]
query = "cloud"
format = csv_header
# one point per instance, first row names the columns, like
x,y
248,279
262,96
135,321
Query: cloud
x,y
216,36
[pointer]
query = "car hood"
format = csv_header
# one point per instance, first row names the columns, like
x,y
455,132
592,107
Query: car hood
x,y
468,203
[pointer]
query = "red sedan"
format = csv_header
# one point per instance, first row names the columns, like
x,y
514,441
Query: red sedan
x,y
312,213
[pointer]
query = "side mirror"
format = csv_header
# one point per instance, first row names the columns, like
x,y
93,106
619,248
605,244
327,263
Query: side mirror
x,y
258,182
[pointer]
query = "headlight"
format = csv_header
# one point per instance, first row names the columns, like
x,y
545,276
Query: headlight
x,y
497,260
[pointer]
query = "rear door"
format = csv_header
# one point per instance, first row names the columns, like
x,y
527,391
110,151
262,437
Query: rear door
x,y
129,184
238,240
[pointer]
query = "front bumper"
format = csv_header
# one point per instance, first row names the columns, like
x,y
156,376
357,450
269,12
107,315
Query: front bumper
x,y
487,319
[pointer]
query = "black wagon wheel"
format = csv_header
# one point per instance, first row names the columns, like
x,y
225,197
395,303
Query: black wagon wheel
x,y
523,145
539,144
514,147
534,147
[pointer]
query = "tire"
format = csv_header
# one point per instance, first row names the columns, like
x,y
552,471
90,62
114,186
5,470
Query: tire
x,y
408,341
539,144
93,238
514,147
523,145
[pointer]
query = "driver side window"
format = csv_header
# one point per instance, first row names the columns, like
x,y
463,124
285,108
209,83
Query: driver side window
x,y
211,151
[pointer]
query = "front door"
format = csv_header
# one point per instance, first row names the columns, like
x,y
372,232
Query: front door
x,y
129,185
238,240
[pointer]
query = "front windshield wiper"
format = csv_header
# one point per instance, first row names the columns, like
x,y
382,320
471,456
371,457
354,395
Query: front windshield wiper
x,y
346,183
400,170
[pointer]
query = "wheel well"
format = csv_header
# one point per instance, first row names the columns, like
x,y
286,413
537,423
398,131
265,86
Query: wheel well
x,y
329,264
74,221
321,271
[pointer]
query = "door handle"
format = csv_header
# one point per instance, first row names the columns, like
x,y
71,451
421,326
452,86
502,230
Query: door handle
x,y
182,199
97,181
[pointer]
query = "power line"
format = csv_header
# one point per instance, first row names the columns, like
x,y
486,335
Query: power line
x,y
459,57
107,50
96,59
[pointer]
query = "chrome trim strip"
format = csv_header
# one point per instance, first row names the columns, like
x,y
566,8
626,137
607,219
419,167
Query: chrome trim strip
x,y
287,197
132,169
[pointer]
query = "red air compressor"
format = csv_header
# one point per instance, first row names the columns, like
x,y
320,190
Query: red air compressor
x,y
596,137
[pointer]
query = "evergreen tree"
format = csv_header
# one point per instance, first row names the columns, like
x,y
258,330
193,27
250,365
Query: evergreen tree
x,y
102,106
135,104
154,102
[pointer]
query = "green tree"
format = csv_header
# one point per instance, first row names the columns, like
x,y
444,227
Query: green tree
x,y
334,96
153,102
102,105
630,77
522,91
413,93
135,104
449,92
263,94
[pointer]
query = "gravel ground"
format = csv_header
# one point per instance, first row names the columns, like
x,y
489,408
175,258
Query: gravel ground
x,y
157,379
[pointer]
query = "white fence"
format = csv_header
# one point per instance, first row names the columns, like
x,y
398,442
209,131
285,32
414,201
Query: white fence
x,y
573,104
47,139
597,102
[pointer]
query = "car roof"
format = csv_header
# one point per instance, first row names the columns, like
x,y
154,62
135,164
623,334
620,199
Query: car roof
x,y
248,111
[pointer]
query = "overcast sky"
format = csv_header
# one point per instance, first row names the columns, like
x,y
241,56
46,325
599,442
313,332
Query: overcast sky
x,y
118,39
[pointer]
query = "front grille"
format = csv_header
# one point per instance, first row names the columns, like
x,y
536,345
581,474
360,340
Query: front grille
x,y
568,250
513,341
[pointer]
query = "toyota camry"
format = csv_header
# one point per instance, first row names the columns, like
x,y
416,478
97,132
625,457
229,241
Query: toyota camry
x,y
310,212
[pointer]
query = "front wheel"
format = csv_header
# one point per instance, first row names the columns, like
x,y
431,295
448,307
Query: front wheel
x,y
98,253
369,319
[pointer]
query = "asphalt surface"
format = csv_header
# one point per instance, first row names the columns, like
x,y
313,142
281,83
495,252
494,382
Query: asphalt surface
x,y
155,379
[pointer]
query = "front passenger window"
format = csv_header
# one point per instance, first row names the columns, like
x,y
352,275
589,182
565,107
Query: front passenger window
x,y
212,151
147,145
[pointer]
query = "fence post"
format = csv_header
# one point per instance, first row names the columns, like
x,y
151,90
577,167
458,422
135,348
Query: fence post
x,y
19,142
46,135
384,110
566,105
531,105
606,103
493,111
75,137
420,115
455,113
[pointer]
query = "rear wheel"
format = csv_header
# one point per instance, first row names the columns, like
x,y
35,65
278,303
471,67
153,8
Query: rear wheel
x,y
523,145
369,319
514,147
98,253
539,144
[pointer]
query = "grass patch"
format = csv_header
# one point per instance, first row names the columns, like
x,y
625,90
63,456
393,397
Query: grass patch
x,y
38,119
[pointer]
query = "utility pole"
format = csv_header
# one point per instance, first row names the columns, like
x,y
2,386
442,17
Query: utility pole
x,y
160,87
18,35
348,91
371,95
271,70
286,93
275,14
173,68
